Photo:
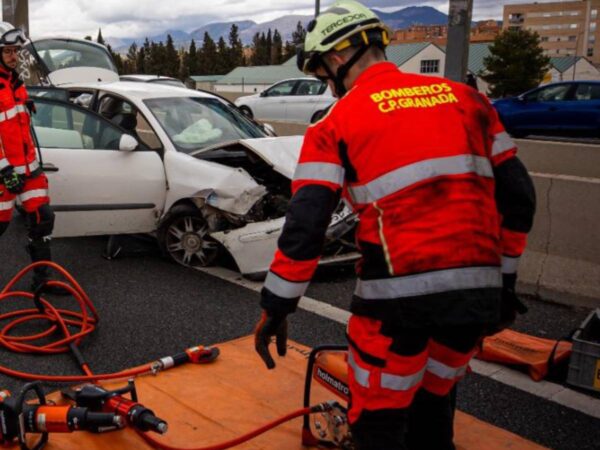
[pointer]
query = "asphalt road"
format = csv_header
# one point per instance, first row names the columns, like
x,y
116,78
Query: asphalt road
x,y
150,308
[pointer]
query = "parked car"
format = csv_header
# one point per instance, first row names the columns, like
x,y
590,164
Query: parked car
x,y
296,100
169,81
571,107
126,157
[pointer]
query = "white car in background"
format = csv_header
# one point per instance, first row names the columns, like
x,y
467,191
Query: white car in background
x,y
127,157
302,100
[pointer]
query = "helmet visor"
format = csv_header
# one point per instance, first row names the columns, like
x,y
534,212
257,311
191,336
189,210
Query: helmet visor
x,y
15,36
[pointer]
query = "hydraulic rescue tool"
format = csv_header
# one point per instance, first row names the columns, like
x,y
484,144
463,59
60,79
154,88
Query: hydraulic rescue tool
x,y
327,364
96,398
18,418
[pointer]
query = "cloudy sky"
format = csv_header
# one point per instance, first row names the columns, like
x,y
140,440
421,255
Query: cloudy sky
x,y
137,18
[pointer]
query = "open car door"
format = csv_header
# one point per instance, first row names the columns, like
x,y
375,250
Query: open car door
x,y
98,183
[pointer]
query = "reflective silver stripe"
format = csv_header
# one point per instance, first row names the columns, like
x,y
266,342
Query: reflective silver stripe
x,y
34,165
446,372
12,112
429,283
360,375
25,196
406,176
510,264
284,288
7,206
320,171
401,383
502,143
4,163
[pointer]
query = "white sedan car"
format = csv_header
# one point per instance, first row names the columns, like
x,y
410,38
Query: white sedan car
x,y
129,157
303,100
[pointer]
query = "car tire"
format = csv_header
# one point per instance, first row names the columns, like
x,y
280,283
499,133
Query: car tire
x,y
316,116
183,236
247,111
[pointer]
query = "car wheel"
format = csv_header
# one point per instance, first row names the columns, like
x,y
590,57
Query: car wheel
x,y
184,237
246,111
316,116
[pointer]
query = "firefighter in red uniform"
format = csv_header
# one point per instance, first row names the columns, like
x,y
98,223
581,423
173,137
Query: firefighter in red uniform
x,y
444,208
20,172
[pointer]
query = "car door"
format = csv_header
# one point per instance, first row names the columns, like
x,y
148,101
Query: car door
x,y
95,188
274,101
584,108
305,101
543,109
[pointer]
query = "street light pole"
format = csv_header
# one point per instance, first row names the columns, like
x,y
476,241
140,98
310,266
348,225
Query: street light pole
x,y
317,7
16,12
459,33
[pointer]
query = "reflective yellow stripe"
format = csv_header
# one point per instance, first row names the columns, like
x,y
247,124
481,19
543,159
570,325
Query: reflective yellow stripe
x,y
400,382
429,283
411,174
360,375
12,112
320,171
34,165
35,193
502,143
443,371
284,288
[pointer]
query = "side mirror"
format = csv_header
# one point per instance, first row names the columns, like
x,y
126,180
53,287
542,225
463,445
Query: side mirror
x,y
263,94
269,129
521,98
128,143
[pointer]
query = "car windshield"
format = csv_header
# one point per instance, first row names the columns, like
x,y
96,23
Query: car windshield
x,y
193,122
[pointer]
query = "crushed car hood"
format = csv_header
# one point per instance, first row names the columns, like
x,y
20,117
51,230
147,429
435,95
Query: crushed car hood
x,y
281,153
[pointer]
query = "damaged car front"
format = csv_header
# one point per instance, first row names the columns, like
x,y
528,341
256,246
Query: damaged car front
x,y
247,178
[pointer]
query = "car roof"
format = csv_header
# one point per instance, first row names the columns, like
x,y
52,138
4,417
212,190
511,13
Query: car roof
x,y
141,91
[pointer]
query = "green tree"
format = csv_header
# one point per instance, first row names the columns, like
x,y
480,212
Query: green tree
x,y
516,63
208,56
289,50
184,64
131,61
99,38
236,47
299,34
192,56
223,64
116,57
269,48
88,38
170,64
140,62
277,48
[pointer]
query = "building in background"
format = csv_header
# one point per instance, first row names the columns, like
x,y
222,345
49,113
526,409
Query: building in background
x,y
569,28
484,31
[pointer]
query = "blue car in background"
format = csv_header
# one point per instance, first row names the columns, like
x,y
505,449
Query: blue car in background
x,y
568,108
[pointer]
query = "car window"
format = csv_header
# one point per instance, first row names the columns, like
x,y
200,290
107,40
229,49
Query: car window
x,y
62,125
309,87
549,94
125,115
284,88
587,91
195,122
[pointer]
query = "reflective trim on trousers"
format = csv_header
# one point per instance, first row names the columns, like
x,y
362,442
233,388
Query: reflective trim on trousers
x,y
12,112
429,283
7,206
320,171
502,143
35,193
284,288
406,176
510,264
441,370
360,375
401,382
4,163
33,165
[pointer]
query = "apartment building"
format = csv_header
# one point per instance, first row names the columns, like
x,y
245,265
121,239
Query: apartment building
x,y
567,28
484,31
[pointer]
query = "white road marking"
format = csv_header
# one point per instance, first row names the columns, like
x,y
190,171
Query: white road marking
x,y
566,177
544,389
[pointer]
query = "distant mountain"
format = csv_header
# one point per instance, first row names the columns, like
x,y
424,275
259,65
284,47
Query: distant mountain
x,y
216,30
286,25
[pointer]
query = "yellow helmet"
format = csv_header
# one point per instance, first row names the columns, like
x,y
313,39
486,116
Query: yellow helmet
x,y
345,24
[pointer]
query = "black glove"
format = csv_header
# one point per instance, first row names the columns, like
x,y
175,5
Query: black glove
x,y
511,305
13,181
30,104
270,325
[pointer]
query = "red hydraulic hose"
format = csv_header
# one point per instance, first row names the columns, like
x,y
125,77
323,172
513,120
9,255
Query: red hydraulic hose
x,y
60,320
239,440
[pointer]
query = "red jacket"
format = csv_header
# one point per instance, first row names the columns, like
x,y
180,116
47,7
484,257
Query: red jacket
x,y
418,158
16,144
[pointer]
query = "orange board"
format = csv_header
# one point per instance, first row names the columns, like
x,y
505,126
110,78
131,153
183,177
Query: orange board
x,y
208,404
